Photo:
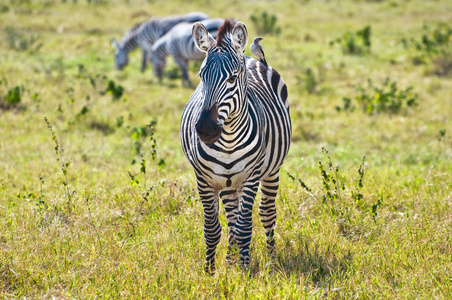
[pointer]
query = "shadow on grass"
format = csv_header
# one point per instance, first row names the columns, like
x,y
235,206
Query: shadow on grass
x,y
317,263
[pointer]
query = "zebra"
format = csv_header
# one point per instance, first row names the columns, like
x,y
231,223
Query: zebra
x,y
179,43
235,131
145,34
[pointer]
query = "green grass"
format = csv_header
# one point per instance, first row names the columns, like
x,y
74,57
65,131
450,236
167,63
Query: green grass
x,y
112,240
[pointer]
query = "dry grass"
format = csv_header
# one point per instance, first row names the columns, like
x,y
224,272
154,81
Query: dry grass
x,y
108,241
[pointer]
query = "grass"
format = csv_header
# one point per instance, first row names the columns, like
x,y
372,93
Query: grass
x,y
115,238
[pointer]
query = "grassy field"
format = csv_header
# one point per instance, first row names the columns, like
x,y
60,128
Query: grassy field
x,y
364,208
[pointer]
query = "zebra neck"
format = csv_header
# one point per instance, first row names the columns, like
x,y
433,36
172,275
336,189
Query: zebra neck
x,y
129,42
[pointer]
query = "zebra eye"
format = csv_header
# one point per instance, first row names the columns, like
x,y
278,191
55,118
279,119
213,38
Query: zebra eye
x,y
232,79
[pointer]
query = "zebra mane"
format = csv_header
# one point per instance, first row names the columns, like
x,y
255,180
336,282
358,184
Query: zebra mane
x,y
131,33
223,32
136,26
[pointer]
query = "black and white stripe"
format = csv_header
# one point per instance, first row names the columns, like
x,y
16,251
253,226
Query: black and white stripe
x,y
178,43
145,34
236,132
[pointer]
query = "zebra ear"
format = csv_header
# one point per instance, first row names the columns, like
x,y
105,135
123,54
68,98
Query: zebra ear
x,y
203,40
239,37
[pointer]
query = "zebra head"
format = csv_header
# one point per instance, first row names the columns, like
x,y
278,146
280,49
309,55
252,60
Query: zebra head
x,y
223,78
121,57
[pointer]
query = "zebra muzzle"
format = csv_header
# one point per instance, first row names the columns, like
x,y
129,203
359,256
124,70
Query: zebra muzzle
x,y
207,126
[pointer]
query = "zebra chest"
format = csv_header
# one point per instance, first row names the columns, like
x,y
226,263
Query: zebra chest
x,y
222,169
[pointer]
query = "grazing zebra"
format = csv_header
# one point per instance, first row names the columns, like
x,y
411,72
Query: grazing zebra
x,y
179,43
235,131
145,34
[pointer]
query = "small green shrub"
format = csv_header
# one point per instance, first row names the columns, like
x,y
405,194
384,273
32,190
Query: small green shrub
x,y
374,99
355,43
115,90
14,95
12,98
265,23
4,9
311,79
21,41
172,72
442,134
434,39
442,64
434,45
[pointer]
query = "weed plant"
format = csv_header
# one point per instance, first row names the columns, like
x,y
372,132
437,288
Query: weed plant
x,y
265,23
21,41
387,98
433,48
312,79
12,97
115,90
344,202
355,43
434,41
59,151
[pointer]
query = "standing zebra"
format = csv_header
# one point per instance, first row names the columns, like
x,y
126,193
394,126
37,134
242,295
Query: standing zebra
x,y
235,131
179,43
145,34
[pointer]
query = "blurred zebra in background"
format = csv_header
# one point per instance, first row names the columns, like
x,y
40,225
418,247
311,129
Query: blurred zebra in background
x,y
145,34
235,131
179,43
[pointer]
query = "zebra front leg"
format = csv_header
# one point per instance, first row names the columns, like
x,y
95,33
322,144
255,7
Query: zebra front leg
x,y
212,227
230,202
267,208
144,59
244,225
183,65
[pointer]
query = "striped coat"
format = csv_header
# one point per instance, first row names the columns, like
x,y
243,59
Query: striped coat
x,y
179,43
145,34
235,132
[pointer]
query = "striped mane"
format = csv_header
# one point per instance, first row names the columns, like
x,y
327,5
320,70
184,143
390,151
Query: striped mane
x,y
223,32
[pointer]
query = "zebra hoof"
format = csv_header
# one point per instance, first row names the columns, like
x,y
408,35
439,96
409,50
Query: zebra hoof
x,y
272,252
209,269
231,260
245,265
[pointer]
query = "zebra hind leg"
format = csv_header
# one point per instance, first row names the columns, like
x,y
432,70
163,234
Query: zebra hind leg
x,y
212,227
267,209
230,203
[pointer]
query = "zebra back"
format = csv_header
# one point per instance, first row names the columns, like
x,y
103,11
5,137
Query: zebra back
x,y
156,27
179,43
270,90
